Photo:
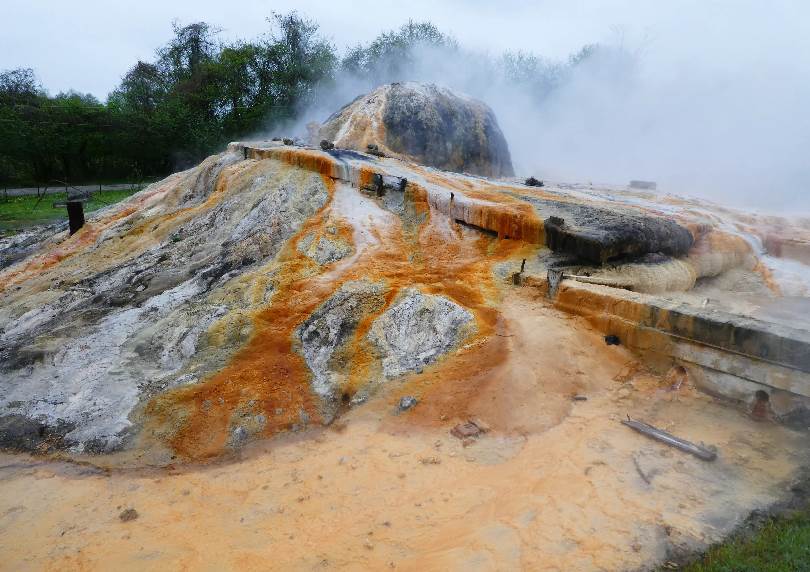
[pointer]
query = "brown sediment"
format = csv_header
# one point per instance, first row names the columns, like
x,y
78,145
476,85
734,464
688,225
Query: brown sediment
x,y
543,490
266,377
269,378
485,207
307,159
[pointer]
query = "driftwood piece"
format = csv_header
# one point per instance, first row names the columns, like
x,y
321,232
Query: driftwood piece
x,y
660,435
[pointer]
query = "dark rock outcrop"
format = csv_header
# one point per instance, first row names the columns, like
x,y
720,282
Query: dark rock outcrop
x,y
597,235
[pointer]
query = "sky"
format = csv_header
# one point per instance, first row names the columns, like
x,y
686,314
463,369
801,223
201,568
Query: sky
x,y
716,106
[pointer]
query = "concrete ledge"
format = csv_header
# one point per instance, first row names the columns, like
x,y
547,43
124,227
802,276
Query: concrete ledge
x,y
728,355
767,341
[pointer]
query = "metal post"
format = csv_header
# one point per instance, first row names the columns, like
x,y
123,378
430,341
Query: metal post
x,y
75,211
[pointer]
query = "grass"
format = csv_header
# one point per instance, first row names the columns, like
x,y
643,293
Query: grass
x,y
781,545
18,213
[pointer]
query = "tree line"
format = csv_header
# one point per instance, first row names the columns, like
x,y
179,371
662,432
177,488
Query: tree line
x,y
199,93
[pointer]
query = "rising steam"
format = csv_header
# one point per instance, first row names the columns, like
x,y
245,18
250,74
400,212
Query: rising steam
x,y
699,119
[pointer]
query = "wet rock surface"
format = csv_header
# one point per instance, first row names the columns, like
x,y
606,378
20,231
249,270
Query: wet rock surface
x,y
597,235
324,337
270,286
80,356
424,123
324,249
418,329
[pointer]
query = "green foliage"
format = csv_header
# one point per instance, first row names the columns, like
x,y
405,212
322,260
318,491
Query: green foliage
x,y
391,53
167,114
781,546
200,93
20,212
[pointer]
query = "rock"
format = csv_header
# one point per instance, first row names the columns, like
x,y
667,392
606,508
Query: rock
x,y
597,235
645,185
324,250
465,430
326,145
238,436
20,432
532,182
327,331
407,402
78,362
359,399
373,149
482,425
624,393
424,123
417,330
128,515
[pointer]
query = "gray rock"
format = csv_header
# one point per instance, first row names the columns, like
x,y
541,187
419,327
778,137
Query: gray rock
x,y
238,436
324,250
407,402
78,358
597,235
417,330
425,123
326,333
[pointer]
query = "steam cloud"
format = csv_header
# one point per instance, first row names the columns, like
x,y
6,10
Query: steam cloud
x,y
711,108
707,97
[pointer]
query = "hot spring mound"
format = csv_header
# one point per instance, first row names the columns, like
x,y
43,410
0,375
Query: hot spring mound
x,y
426,124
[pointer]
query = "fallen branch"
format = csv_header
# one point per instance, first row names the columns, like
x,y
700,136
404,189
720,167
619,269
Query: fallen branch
x,y
661,435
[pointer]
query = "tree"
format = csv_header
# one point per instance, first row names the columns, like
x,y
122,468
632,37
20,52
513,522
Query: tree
x,y
393,52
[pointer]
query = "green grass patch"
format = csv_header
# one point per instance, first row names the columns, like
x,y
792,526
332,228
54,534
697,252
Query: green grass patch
x,y
781,545
19,213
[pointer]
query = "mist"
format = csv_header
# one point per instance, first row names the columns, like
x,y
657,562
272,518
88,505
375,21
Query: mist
x,y
705,97
712,105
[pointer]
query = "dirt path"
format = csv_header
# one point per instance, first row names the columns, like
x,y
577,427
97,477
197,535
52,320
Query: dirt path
x,y
56,188
553,485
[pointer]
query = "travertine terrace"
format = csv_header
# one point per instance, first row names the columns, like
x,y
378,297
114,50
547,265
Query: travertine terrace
x,y
225,352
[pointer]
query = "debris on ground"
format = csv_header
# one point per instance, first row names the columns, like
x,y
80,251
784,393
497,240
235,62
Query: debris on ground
x,y
128,514
373,149
430,461
471,429
481,424
698,451
579,397
407,402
